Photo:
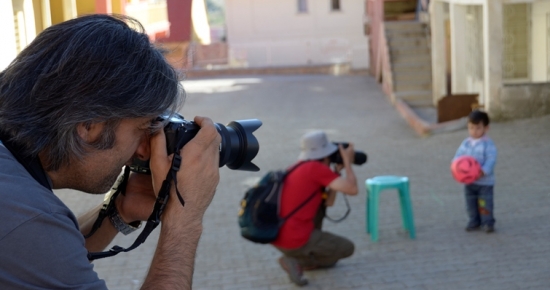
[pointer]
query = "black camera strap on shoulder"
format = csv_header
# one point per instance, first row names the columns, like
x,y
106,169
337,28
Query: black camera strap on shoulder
x,y
109,203
154,219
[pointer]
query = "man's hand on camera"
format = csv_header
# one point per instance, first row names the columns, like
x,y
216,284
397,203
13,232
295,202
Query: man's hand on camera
x,y
348,154
199,171
137,203
181,226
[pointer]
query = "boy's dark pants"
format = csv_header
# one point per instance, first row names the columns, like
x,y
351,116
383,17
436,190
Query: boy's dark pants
x,y
323,249
479,205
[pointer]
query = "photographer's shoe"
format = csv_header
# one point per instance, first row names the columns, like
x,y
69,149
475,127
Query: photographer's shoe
x,y
293,269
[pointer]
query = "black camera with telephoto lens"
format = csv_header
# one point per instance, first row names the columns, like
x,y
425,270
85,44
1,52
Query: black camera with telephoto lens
x,y
359,159
237,148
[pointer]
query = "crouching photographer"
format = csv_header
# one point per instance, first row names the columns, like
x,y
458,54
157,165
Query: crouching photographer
x,y
311,186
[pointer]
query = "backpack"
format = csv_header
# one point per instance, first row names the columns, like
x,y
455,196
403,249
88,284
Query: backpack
x,y
259,217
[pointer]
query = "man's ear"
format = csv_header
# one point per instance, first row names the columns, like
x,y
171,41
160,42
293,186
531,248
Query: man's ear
x,y
89,132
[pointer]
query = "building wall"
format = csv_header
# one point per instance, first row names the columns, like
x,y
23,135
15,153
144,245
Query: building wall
x,y
540,50
264,33
84,7
524,101
8,49
516,60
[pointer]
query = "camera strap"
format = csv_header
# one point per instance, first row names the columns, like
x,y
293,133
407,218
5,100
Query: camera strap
x,y
109,201
345,215
154,219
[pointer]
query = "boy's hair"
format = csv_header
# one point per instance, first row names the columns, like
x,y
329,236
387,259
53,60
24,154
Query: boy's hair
x,y
477,116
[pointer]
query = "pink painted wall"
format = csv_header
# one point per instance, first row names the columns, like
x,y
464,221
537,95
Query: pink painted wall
x,y
179,16
103,6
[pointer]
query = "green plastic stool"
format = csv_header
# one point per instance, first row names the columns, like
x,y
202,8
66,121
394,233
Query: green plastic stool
x,y
374,187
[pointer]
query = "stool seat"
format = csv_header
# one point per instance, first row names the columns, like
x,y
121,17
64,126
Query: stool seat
x,y
386,180
374,187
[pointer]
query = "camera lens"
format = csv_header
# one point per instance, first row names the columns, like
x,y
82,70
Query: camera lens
x,y
359,158
239,146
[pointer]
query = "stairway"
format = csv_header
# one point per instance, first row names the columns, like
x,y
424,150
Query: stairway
x,y
411,64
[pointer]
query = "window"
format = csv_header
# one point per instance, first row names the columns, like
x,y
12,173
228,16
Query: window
x,y
302,6
516,41
335,5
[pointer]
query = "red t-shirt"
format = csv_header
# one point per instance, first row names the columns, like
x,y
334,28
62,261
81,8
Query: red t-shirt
x,y
299,186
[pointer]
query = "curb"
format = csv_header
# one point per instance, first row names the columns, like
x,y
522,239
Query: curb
x,y
331,69
424,128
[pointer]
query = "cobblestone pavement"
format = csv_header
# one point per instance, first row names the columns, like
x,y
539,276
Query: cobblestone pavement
x,y
352,108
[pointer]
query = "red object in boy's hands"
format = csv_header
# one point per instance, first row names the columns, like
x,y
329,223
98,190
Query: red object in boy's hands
x,y
465,169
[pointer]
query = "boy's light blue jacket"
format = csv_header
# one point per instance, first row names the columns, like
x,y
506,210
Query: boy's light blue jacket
x,y
485,152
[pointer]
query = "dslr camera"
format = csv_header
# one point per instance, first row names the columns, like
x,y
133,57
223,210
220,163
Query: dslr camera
x,y
359,158
237,148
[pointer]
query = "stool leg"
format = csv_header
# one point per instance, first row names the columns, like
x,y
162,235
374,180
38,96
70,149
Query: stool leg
x,y
409,211
374,215
403,204
367,219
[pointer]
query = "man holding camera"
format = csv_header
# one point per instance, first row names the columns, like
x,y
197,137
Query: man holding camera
x,y
303,244
76,106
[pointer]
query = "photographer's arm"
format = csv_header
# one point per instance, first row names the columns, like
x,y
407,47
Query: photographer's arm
x,y
173,263
102,237
331,197
331,193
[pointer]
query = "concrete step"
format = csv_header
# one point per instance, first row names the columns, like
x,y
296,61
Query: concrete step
x,y
419,97
416,50
419,76
412,86
421,63
408,41
410,58
396,55
399,7
405,30
405,33
420,82
422,69
404,25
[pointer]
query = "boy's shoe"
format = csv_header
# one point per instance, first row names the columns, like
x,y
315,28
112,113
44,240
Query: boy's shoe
x,y
471,228
489,229
293,269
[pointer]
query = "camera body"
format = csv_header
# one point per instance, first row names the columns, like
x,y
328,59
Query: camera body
x,y
359,159
179,132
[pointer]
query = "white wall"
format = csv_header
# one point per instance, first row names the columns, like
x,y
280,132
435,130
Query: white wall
x,y
7,34
539,48
272,33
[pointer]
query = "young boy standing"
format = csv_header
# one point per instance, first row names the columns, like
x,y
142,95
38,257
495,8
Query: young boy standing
x,y
479,194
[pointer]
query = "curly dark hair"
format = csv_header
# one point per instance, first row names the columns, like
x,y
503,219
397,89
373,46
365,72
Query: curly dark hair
x,y
94,68
478,116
